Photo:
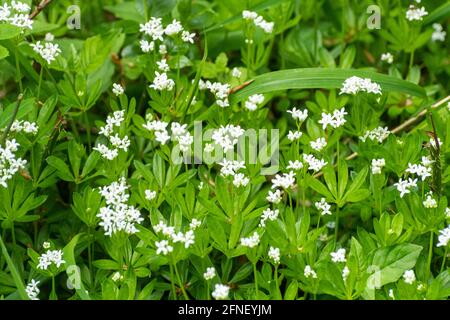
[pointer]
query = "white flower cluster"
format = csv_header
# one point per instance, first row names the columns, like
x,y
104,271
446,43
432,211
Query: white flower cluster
x,y
221,292
162,82
294,135
318,144
150,195
338,256
294,165
156,31
387,57
444,237
32,290
210,273
25,126
334,120
433,142
274,254
268,214
323,207
416,14
308,272
179,133
258,21
284,181
378,134
236,73
251,241
405,186
118,215
422,170
430,202
354,85
377,165
253,101
50,257
299,114
16,14
166,246
227,137
345,273
221,91
48,50
9,163
409,276
117,143
314,164
438,34
117,89
274,197
231,168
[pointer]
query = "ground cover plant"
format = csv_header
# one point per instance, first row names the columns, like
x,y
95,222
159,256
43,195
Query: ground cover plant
x,y
193,149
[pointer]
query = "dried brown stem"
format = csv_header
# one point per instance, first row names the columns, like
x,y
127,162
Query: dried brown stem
x,y
41,6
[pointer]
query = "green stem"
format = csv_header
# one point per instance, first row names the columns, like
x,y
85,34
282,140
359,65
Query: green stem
x,y
174,293
40,83
19,74
411,61
256,281
16,110
88,129
180,283
444,259
336,227
430,254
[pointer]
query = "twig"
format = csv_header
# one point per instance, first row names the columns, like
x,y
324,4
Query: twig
x,y
16,110
41,6
404,125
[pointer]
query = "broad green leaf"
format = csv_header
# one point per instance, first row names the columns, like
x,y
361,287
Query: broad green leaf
x,y
8,31
3,52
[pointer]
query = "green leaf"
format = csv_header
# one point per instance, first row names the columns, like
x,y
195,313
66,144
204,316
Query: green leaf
x,y
106,264
321,78
15,274
69,257
3,52
438,14
62,168
8,31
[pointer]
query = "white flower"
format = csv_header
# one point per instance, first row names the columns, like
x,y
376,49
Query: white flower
x,y
147,46
391,294
32,290
249,15
430,202
433,143
162,137
404,186
285,181
173,28
318,144
230,167
420,170
377,165
415,14
263,24
187,37
253,101
308,272
227,137
105,152
118,215
447,213
162,65
323,207
25,126
22,21
220,292
331,225
338,256
444,237
379,134
153,28
354,85
345,273
50,257
438,34
296,165
335,120
162,49
274,254
274,197
9,163
20,6
49,51
236,73
162,82
187,238
299,114
150,195
46,245
49,37
240,180
116,276
409,277
251,241
388,57
314,164
5,12
220,91
268,214
294,135
426,161
210,273
195,223
119,143
163,247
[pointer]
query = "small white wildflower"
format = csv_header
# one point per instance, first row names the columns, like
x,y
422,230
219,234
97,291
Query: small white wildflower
x,y
447,213
268,214
162,65
323,207
387,57
240,180
318,144
251,241
274,254
221,292
254,101
173,28
274,197
294,135
162,82
46,245
50,257
420,170
430,202
444,237
209,274
195,223
150,195
338,256
299,114
378,134
345,273
236,73
409,277
116,276
153,28
285,181
377,165
308,272
415,14
147,46
32,290
295,165
404,186
187,37
354,85
117,89
48,51
438,34
391,294
249,15
163,247
314,164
